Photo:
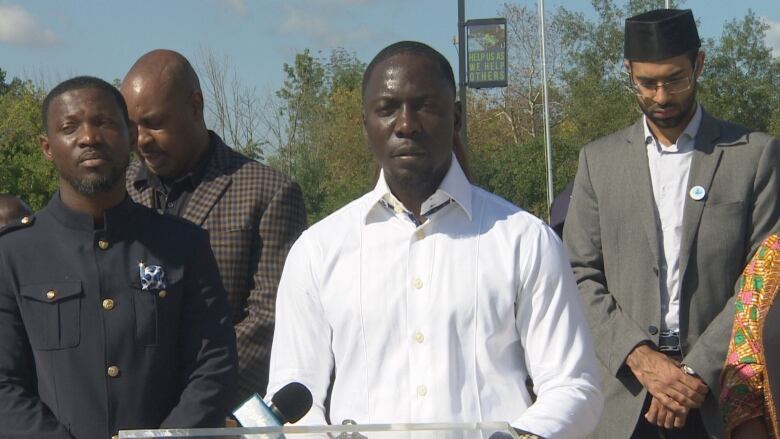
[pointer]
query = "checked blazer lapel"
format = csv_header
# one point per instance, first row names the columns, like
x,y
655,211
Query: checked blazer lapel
x,y
145,196
639,169
210,189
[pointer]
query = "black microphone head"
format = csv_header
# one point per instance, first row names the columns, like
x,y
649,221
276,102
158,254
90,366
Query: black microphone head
x,y
292,402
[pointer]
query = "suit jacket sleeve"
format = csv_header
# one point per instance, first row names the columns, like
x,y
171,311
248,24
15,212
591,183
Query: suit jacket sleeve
x,y
615,333
207,345
22,413
280,225
706,357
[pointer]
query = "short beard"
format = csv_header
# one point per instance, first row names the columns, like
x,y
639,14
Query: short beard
x,y
96,183
686,110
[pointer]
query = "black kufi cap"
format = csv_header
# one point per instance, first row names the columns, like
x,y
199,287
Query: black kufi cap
x,y
660,34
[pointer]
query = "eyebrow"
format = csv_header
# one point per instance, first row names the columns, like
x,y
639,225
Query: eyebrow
x,y
153,117
390,97
674,74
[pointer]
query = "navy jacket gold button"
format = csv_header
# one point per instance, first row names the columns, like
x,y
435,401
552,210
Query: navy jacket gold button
x,y
86,351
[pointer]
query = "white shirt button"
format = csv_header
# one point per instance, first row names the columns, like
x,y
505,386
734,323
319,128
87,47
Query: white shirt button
x,y
417,283
418,337
419,234
422,390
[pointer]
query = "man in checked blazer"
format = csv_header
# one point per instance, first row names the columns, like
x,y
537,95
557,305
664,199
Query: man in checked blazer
x,y
253,213
664,215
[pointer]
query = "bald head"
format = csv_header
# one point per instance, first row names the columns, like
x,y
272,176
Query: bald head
x,y
170,70
165,101
12,209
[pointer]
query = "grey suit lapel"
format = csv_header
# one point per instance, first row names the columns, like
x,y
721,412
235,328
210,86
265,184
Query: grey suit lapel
x,y
639,169
210,189
706,156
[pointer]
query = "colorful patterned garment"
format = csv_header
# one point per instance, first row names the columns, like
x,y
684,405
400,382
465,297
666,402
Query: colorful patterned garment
x,y
745,387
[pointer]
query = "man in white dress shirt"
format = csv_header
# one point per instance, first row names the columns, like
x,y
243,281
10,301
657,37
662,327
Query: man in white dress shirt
x,y
431,299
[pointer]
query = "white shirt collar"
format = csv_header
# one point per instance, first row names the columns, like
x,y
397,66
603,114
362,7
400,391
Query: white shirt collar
x,y
454,186
687,138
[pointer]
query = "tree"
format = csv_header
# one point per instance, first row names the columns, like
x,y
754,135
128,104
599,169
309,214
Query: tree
x,y
319,112
233,109
506,126
741,77
25,173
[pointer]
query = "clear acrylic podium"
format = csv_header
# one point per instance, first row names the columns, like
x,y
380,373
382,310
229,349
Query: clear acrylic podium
x,y
471,430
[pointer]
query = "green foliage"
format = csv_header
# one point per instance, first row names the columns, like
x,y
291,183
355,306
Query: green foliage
x,y
23,170
741,78
774,123
324,151
315,119
518,172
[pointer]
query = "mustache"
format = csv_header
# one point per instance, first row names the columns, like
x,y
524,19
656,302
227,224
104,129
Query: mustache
x,y
656,106
149,149
408,147
91,154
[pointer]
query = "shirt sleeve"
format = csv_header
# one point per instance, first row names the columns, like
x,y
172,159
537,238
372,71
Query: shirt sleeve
x,y
301,348
559,351
744,381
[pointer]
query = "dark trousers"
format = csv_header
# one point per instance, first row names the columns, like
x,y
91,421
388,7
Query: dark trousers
x,y
693,428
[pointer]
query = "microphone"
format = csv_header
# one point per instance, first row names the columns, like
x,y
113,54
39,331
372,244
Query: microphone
x,y
287,406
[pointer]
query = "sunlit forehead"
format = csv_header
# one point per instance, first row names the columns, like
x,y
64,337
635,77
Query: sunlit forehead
x,y
79,103
391,78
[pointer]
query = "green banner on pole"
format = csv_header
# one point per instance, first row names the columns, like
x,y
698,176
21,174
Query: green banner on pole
x,y
486,53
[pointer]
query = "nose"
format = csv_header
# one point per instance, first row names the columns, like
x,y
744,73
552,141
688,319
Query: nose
x,y
661,95
90,135
407,124
144,138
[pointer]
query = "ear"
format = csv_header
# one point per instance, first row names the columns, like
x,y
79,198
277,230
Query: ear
x,y
45,148
365,132
132,131
458,116
699,63
197,102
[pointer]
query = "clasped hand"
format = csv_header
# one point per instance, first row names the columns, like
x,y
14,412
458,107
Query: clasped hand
x,y
674,392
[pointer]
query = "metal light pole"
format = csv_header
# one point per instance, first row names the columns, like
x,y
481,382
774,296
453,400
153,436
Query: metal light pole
x,y
462,69
547,137
667,4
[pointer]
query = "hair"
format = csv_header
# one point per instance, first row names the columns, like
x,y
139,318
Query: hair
x,y
413,48
79,83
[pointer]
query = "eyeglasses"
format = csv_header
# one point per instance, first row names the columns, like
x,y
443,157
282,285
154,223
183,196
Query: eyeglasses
x,y
649,88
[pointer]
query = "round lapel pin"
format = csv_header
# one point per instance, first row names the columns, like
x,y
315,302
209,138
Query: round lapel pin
x,y
697,193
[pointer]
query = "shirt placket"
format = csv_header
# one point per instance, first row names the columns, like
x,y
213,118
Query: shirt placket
x,y
420,318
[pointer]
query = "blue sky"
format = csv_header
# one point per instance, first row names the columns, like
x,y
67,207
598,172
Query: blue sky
x,y
51,40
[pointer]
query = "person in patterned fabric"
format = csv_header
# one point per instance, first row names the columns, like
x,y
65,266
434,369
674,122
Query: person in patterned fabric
x,y
253,213
750,391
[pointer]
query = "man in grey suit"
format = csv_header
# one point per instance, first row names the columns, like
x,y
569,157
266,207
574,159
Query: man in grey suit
x,y
664,215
